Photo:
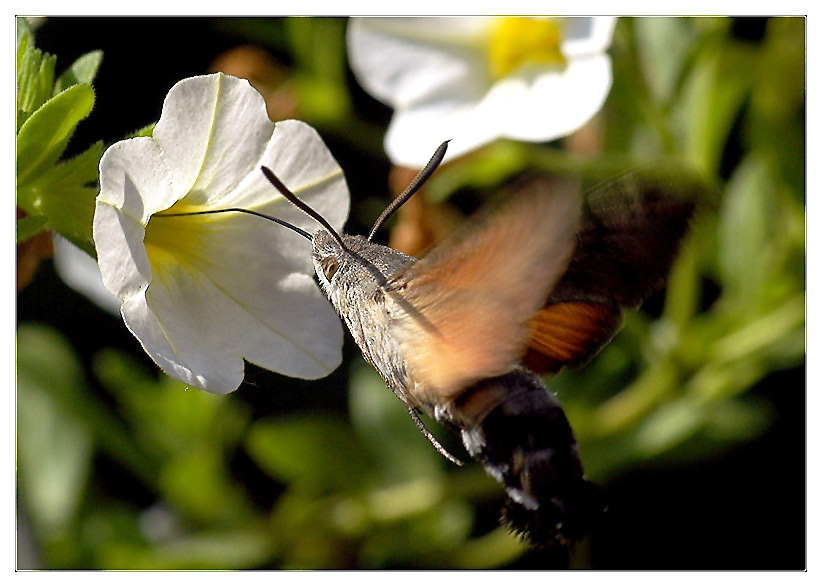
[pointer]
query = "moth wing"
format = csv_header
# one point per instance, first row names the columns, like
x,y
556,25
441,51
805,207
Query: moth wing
x,y
570,333
468,304
630,233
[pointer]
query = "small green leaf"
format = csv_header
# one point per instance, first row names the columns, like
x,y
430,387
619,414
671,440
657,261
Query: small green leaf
x,y
146,131
81,71
35,73
30,226
44,136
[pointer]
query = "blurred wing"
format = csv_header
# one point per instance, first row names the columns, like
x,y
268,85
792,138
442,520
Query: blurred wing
x,y
468,304
569,333
631,231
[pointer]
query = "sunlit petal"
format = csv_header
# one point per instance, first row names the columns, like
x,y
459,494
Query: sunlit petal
x,y
135,179
298,156
212,134
122,258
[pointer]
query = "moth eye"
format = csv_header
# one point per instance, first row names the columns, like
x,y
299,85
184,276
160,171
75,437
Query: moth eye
x,y
330,267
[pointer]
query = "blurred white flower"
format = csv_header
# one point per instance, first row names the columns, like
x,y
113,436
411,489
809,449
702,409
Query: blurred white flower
x,y
81,272
202,293
477,79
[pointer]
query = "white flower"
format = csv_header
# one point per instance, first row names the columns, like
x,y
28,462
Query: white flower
x,y
477,79
202,293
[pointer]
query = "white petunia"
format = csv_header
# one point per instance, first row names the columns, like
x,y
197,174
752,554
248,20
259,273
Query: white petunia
x,y
202,293
477,79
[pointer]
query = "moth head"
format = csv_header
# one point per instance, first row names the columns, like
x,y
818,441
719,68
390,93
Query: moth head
x,y
328,256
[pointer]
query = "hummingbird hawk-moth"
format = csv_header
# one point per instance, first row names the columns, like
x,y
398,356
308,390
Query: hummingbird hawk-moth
x,y
461,333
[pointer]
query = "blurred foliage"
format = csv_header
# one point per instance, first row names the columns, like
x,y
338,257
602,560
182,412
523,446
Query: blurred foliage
x,y
120,467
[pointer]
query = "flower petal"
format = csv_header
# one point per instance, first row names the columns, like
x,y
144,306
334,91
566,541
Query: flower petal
x,y
587,35
300,159
213,131
122,258
434,72
406,61
134,178
526,107
414,133
554,104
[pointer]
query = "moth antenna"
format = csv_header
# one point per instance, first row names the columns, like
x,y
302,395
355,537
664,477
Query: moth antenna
x,y
275,181
436,443
296,229
412,188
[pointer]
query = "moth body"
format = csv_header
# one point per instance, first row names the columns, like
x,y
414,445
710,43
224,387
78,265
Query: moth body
x,y
399,308
354,281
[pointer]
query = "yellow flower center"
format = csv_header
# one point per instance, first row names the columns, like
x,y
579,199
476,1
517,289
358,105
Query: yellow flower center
x,y
177,240
517,41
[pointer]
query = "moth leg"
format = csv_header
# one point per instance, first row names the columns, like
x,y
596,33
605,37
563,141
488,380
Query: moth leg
x,y
427,433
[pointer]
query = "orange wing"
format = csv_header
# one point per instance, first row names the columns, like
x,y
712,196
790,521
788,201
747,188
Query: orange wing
x,y
477,303
470,301
570,333
631,232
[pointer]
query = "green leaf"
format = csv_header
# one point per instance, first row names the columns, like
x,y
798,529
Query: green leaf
x,y
316,44
146,131
23,28
662,44
236,548
30,226
65,194
35,73
81,71
155,538
44,136
743,230
777,109
711,100
204,468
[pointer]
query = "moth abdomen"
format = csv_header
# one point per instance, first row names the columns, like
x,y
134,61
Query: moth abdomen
x,y
526,443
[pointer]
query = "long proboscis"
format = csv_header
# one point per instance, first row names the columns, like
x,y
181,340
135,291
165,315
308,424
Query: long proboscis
x,y
296,229
412,188
289,195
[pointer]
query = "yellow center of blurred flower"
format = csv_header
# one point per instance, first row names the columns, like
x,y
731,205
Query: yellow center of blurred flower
x,y
517,41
